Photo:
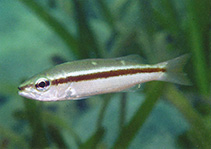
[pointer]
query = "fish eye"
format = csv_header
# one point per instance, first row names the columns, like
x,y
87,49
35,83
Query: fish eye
x,y
42,84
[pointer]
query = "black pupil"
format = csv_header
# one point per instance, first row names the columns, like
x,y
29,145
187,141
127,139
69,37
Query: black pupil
x,y
42,84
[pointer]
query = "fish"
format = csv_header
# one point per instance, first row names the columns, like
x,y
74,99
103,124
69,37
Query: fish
x,y
81,79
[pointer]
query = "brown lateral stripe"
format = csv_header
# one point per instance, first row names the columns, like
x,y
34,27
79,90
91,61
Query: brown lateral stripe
x,y
23,87
106,74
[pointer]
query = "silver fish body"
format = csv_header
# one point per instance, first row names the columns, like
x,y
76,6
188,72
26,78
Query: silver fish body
x,y
84,78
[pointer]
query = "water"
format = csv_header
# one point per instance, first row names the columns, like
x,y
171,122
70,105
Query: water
x,y
28,45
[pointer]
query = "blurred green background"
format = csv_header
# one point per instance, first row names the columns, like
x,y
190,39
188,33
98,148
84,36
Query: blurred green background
x,y
36,35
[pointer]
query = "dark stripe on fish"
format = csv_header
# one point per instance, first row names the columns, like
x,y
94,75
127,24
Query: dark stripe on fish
x,y
23,87
106,74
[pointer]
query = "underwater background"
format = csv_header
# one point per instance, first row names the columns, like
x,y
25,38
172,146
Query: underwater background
x,y
38,34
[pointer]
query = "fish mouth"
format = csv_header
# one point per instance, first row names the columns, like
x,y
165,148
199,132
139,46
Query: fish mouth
x,y
26,94
23,86
30,95
19,88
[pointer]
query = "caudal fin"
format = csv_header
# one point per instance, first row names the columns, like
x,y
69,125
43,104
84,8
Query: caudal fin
x,y
174,70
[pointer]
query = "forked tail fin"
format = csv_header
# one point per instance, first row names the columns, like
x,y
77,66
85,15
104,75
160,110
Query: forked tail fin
x,y
174,70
